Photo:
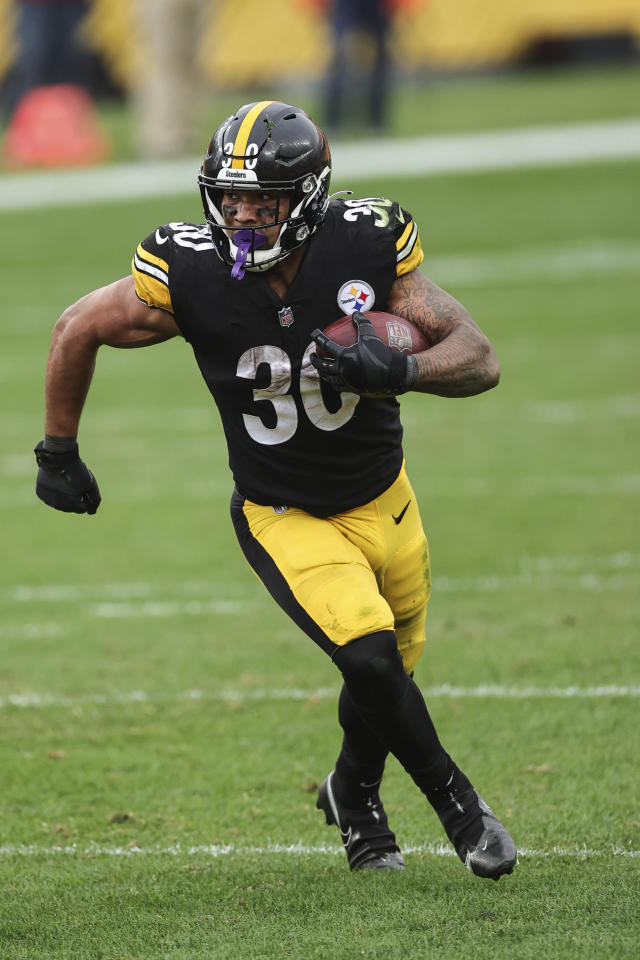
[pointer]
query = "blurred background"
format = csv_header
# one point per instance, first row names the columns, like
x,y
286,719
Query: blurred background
x,y
152,78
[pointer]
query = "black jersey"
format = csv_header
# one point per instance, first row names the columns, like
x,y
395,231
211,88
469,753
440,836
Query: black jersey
x,y
292,439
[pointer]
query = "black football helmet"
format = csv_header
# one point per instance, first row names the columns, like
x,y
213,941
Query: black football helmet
x,y
266,146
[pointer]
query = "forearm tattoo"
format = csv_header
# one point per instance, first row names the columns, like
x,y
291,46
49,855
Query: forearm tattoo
x,y
460,361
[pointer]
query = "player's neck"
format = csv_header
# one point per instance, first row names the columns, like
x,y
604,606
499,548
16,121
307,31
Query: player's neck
x,y
280,277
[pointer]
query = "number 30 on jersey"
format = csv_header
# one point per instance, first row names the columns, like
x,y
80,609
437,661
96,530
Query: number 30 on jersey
x,y
282,401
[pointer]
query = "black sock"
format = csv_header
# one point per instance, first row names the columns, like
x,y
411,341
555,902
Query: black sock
x,y
412,738
390,703
360,765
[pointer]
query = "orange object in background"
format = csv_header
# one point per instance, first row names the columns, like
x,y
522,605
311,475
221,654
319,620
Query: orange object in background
x,y
55,126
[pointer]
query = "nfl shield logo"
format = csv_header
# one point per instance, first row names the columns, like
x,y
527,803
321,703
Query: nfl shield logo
x,y
399,335
285,316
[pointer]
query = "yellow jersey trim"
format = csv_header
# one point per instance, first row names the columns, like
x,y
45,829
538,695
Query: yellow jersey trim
x,y
411,257
403,239
151,257
151,287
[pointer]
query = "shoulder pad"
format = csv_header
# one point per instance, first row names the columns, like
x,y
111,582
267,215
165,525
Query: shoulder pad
x,y
382,217
409,253
155,255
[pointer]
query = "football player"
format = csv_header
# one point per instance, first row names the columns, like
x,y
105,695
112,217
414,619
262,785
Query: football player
x,y
322,506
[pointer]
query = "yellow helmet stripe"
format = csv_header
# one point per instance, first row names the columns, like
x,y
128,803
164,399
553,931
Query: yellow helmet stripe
x,y
240,146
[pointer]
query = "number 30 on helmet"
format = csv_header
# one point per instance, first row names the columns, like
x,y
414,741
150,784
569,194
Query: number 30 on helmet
x,y
267,146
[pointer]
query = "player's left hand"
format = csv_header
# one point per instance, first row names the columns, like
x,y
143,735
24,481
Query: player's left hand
x,y
369,367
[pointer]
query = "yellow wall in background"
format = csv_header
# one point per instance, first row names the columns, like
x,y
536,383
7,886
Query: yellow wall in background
x,y
473,33
244,45
111,30
254,42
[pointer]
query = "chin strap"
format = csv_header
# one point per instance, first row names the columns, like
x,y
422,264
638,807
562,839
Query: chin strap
x,y
245,240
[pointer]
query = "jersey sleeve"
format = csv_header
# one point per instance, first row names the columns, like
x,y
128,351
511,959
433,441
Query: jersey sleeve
x,y
151,267
409,253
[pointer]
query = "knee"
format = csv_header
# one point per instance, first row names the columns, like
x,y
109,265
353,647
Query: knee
x,y
372,669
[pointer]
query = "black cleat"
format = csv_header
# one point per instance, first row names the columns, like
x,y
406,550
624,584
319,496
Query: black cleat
x,y
480,840
367,839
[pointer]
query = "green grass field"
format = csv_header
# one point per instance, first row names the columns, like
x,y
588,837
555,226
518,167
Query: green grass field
x,y
163,725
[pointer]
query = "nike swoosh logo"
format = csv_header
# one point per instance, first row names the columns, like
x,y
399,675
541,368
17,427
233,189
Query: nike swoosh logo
x,y
160,239
401,514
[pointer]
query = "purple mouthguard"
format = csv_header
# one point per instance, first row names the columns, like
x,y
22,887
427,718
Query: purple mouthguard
x,y
245,240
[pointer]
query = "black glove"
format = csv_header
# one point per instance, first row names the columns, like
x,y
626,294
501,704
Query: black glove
x,y
369,367
65,482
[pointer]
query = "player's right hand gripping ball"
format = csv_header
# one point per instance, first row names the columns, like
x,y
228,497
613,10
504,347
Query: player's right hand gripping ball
x,y
368,367
65,482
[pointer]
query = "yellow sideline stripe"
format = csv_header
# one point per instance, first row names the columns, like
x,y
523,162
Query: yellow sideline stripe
x,y
151,258
240,146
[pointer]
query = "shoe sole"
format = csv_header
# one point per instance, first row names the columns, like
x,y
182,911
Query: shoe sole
x,y
495,874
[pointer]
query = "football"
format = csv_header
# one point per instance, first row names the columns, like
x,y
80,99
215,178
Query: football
x,y
399,334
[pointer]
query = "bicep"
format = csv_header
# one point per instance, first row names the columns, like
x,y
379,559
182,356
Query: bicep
x,y
434,311
114,316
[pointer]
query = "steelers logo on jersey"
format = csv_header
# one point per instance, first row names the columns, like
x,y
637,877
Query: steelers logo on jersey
x,y
356,295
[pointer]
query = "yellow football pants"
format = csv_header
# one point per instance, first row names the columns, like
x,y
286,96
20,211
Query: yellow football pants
x,y
348,575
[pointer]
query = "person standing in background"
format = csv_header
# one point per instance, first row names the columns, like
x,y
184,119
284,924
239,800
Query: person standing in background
x,y
49,48
348,18
360,61
166,83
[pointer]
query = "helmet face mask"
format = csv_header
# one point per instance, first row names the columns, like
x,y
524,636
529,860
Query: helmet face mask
x,y
267,147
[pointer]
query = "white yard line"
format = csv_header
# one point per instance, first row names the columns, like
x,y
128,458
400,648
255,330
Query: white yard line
x,y
322,694
625,484
493,583
200,422
170,608
561,263
490,583
421,156
215,850
128,599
